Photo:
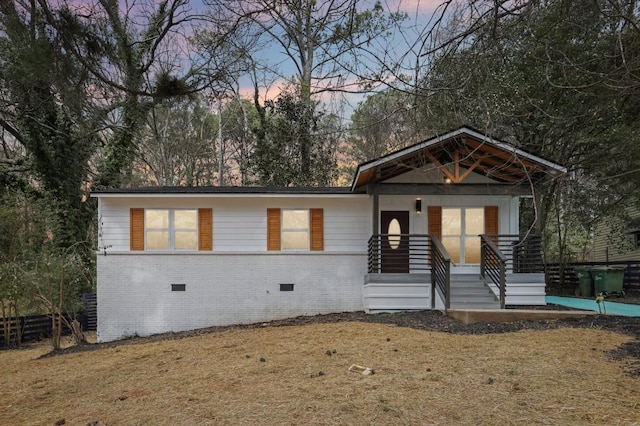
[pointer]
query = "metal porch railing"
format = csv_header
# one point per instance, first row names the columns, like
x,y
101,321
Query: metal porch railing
x,y
493,266
522,254
500,254
419,253
440,273
403,253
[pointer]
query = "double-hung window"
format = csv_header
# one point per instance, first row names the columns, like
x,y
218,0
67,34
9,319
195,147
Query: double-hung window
x,y
458,228
461,228
295,229
171,229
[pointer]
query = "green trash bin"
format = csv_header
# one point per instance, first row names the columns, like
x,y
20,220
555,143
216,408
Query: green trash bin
x,y
584,281
608,279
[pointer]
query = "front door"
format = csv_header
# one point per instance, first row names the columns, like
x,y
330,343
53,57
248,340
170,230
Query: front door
x,y
394,227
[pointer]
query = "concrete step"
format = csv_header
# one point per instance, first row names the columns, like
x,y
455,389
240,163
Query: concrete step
x,y
469,287
469,284
469,292
482,300
474,305
485,297
471,316
460,278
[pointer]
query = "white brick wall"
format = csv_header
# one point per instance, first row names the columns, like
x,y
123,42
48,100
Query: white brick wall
x,y
135,297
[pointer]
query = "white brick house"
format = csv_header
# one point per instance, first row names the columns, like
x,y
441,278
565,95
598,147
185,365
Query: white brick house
x,y
177,258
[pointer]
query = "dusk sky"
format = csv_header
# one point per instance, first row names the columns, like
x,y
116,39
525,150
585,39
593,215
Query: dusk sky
x,y
403,46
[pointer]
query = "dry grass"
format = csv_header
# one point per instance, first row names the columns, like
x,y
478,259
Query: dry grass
x,y
560,376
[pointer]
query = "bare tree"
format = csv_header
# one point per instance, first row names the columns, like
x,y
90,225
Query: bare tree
x,y
321,41
239,119
554,77
137,56
383,123
177,144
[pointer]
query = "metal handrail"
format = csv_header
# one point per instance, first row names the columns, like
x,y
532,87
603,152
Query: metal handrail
x,y
493,266
440,272
411,252
426,253
523,254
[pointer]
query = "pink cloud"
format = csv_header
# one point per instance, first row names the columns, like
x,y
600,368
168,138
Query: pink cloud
x,y
265,93
413,6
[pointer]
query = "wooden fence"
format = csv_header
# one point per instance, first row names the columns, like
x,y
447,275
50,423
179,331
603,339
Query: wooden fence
x,y
37,327
28,329
89,317
566,277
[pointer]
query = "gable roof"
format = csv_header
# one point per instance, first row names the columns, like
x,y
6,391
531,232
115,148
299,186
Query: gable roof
x,y
465,147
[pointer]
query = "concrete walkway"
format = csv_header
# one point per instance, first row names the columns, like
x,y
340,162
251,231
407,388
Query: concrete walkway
x,y
612,308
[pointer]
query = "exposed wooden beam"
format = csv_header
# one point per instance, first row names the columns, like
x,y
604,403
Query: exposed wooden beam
x,y
365,177
496,169
442,168
456,166
469,153
509,165
507,156
470,169
392,171
495,174
452,189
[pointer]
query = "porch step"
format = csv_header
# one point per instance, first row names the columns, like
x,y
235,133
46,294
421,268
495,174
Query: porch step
x,y
469,292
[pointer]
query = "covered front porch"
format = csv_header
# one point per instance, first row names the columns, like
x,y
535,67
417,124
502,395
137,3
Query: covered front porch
x,y
410,271
446,228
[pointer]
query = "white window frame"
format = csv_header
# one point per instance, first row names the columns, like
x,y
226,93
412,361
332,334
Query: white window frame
x,y
462,237
306,230
171,230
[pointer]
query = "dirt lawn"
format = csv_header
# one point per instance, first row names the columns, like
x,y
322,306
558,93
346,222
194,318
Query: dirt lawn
x,y
298,374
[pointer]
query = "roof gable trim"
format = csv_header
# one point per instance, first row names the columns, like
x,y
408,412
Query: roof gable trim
x,y
368,168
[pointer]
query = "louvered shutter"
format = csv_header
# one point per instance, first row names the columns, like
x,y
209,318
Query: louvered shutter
x,y
136,229
205,229
491,220
273,229
317,229
434,218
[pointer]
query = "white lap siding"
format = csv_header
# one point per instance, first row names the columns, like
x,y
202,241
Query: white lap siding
x,y
237,282
508,208
239,224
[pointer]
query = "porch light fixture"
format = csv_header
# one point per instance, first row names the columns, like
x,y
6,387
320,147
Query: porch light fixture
x,y
446,179
418,205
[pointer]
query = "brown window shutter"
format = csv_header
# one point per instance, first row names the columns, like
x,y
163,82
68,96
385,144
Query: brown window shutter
x,y
273,229
136,229
317,229
205,229
434,218
491,220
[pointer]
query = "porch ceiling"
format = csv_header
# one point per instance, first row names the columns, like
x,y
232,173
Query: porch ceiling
x,y
456,155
